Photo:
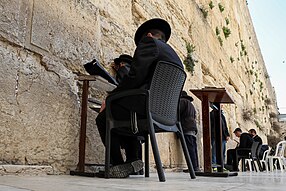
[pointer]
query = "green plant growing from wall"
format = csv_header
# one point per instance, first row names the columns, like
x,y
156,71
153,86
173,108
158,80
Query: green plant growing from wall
x,y
221,7
242,47
227,21
254,110
204,12
231,59
247,114
211,5
266,75
256,75
251,72
220,40
257,124
241,53
189,61
217,31
226,31
261,86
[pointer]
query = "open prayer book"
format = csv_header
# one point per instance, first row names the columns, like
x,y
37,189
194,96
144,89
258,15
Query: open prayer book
x,y
95,68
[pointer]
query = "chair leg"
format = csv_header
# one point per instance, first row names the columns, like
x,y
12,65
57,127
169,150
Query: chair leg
x,y
281,165
242,164
107,149
187,156
156,154
253,164
248,162
271,164
266,165
147,174
259,165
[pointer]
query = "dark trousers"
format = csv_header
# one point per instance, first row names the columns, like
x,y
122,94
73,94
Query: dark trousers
x,y
234,156
191,142
232,159
120,137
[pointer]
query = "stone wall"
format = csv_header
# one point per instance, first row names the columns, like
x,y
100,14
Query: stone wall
x,y
44,44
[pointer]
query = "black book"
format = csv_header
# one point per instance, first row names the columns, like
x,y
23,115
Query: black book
x,y
95,68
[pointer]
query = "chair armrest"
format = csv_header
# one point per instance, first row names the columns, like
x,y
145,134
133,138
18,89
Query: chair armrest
x,y
243,149
121,94
127,93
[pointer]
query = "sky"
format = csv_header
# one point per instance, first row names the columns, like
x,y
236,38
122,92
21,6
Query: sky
x,y
269,20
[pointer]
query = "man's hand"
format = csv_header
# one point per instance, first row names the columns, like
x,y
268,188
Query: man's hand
x,y
227,138
102,106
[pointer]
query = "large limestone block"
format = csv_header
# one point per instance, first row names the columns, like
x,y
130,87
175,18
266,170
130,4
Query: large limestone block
x,y
39,110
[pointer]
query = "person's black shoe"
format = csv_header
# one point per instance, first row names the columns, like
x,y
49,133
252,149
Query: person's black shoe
x,y
140,172
123,170
186,170
196,170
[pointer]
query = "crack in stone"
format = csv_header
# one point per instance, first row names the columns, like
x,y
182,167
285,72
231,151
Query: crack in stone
x,y
17,85
45,65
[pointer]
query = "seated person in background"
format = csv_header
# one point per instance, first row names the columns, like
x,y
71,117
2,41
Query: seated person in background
x,y
122,66
245,142
254,136
189,126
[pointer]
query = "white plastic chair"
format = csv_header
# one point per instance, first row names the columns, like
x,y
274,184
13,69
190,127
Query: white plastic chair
x,y
248,163
265,159
279,157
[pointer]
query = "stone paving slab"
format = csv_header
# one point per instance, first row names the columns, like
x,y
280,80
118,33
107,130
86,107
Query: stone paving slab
x,y
25,170
275,181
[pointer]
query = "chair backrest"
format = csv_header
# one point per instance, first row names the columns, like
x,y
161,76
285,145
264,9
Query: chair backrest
x,y
258,150
254,148
165,90
266,154
280,149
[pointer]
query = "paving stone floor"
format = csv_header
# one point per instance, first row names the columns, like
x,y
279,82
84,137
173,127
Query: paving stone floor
x,y
174,181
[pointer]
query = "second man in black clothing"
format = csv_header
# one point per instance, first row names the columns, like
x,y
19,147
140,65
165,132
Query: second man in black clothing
x,y
188,121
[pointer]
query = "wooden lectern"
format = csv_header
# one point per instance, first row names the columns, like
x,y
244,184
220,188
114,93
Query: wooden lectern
x,y
105,85
215,96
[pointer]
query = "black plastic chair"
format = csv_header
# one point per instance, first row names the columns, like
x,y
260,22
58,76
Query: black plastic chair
x,y
162,106
249,153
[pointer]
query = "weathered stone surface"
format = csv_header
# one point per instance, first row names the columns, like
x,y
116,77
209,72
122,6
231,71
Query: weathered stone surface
x,y
43,43
25,170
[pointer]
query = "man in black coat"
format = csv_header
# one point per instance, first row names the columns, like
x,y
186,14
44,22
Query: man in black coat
x,y
122,66
189,126
225,135
150,38
255,137
245,142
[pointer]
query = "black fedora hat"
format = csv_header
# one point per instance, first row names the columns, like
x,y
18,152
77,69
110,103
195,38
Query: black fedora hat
x,y
155,23
123,58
